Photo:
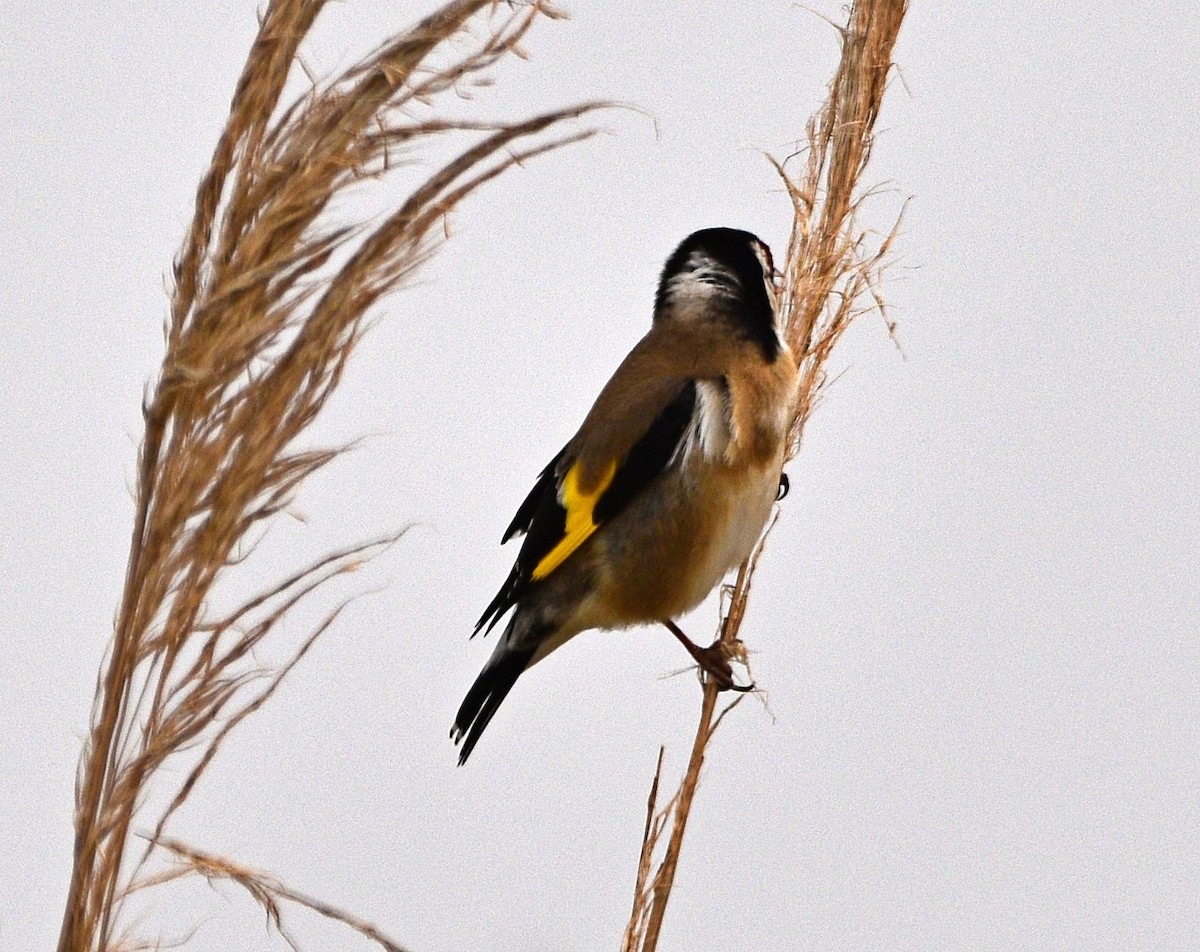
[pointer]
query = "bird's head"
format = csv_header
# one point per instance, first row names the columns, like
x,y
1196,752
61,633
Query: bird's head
x,y
722,275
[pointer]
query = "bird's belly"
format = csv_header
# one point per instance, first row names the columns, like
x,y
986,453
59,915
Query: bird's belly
x,y
688,547
728,549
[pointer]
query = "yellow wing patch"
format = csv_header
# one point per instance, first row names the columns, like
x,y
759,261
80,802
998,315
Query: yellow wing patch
x,y
580,507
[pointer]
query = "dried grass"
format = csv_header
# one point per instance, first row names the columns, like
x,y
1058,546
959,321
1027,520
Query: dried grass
x,y
269,300
832,271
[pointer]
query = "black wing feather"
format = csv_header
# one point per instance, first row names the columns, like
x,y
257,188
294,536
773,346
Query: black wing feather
x,y
543,519
544,495
546,482
542,533
649,456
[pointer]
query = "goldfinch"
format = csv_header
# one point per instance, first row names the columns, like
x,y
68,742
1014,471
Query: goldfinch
x,y
668,483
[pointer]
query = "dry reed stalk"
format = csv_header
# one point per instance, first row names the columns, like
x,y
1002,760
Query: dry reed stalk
x,y
260,328
831,274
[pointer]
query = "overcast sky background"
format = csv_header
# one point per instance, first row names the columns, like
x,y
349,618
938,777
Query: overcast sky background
x,y
977,618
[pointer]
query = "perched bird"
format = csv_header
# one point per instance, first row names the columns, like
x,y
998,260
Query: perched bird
x,y
669,481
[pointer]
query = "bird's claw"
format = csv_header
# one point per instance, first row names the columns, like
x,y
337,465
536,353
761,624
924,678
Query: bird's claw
x,y
714,661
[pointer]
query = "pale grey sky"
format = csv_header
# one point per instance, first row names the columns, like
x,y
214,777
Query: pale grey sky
x,y
977,619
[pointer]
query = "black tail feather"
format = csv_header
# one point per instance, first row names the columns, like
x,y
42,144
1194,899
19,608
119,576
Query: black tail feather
x,y
486,694
504,600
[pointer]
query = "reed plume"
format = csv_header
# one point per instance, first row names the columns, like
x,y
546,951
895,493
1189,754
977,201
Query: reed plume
x,y
832,271
269,299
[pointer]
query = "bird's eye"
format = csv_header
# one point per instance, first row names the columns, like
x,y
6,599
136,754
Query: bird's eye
x,y
785,486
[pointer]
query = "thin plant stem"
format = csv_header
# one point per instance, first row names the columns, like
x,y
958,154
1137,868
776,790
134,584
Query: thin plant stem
x,y
831,276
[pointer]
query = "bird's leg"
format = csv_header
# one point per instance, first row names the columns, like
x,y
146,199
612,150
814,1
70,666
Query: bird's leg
x,y
713,660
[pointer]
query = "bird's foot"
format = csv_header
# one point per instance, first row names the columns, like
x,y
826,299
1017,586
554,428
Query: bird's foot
x,y
714,660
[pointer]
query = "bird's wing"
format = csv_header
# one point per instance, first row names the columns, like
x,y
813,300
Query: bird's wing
x,y
588,484
524,518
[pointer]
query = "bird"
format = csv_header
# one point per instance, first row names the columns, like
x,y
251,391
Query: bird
x,y
667,484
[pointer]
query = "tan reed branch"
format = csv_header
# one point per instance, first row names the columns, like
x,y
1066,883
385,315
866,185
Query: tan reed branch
x,y
830,269
650,834
268,892
260,328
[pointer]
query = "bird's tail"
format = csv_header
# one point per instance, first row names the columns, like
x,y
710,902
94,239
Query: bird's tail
x,y
489,690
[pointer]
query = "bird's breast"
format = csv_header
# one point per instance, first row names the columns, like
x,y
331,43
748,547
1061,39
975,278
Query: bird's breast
x,y
742,418
701,516
666,559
